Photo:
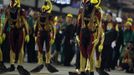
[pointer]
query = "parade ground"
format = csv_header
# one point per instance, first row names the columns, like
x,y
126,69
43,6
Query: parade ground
x,y
62,70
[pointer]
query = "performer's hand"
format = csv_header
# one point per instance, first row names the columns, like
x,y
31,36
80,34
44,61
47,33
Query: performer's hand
x,y
113,45
52,41
100,48
35,38
95,41
3,36
27,38
77,39
1,40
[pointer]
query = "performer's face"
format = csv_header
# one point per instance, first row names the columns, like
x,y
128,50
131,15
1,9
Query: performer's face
x,y
12,2
69,20
109,17
127,27
109,26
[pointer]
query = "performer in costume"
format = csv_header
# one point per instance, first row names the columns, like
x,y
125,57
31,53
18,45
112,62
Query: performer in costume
x,y
89,29
44,33
2,66
18,34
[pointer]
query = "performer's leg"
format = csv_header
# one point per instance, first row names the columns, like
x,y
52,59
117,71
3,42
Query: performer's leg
x,y
21,48
50,68
90,64
84,42
21,55
12,36
48,57
98,61
2,66
12,57
48,51
78,59
83,62
40,42
40,58
1,55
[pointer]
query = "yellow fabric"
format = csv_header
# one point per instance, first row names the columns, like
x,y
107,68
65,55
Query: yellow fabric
x,y
50,4
87,65
100,48
69,15
52,41
128,23
18,2
27,38
83,62
117,28
48,57
12,57
98,4
77,39
40,58
3,36
91,63
55,18
98,62
94,1
130,19
1,40
21,56
35,39
47,7
1,55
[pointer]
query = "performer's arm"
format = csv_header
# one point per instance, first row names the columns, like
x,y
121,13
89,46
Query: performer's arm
x,y
5,25
101,33
5,29
1,33
35,28
26,25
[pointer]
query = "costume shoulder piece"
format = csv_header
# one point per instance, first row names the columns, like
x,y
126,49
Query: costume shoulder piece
x,y
98,13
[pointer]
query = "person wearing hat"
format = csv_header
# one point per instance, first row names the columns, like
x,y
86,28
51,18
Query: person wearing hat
x,y
127,53
44,33
119,42
89,34
109,43
18,34
68,40
58,39
127,31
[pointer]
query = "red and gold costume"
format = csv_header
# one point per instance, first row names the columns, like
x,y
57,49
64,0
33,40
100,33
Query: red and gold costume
x,y
44,33
2,66
89,35
18,34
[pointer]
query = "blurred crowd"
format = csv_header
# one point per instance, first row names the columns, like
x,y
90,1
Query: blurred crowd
x,y
118,43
